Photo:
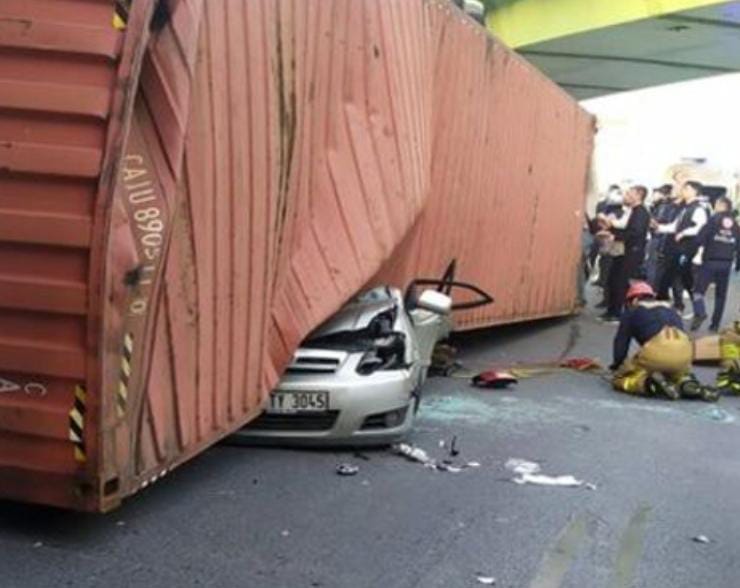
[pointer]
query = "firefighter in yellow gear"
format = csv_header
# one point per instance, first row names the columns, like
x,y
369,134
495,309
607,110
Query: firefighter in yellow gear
x,y
662,366
728,379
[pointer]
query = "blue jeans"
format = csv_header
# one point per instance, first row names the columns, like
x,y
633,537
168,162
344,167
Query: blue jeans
x,y
719,273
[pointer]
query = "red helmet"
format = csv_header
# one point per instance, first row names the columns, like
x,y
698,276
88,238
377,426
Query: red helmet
x,y
639,289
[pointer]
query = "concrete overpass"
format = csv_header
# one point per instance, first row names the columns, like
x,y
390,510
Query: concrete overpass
x,y
597,47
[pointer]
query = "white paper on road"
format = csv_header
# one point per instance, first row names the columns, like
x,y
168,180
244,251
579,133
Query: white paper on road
x,y
414,454
529,472
542,480
522,466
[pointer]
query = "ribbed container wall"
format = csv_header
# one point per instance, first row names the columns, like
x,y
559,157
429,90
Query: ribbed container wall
x,y
510,153
300,176
183,200
58,69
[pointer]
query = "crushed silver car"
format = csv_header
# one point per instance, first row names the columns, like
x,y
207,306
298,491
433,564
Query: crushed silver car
x,y
357,379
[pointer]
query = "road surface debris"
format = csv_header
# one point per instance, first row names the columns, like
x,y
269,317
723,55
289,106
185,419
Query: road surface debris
x,y
347,469
529,472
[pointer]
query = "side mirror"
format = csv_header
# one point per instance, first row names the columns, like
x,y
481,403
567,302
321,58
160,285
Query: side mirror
x,y
476,9
435,302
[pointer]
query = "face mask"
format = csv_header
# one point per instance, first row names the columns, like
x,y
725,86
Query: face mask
x,y
615,198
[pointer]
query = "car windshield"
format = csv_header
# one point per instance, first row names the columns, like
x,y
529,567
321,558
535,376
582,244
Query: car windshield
x,y
379,294
355,340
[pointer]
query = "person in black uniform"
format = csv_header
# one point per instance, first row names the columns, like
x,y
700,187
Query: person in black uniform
x,y
631,230
662,201
681,244
665,212
719,240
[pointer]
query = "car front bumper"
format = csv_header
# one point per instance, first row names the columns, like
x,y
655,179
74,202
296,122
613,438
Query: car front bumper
x,y
356,416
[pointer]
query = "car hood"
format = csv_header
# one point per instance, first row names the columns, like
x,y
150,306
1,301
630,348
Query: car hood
x,y
353,317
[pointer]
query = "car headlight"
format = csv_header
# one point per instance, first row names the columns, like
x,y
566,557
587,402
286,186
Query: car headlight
x,y
386,353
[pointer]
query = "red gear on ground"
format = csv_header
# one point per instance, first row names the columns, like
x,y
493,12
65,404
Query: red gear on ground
x,y
494,379
581,364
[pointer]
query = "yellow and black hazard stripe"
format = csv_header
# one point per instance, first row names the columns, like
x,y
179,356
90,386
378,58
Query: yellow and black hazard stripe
x,y
160,16
125,377
120,14
77,424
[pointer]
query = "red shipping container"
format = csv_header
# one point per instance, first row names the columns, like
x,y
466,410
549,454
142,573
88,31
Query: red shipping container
x,y
182,201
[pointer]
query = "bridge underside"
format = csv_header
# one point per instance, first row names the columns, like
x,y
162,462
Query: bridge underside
x,y
652,51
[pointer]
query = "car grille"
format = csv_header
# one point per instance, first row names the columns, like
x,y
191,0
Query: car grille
x,y
303,421
311,364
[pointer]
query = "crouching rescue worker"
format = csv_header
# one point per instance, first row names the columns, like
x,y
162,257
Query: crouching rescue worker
x,y
728,379
662,367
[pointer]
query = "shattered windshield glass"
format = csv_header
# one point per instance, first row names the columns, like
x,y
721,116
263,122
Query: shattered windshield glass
x,y
380,327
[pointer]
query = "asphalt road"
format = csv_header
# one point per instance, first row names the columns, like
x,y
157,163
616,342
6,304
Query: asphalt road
x,y
247,517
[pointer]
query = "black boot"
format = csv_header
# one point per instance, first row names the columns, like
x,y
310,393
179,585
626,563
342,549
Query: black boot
x,y
692,389
657,385
697,322
709,394
728,382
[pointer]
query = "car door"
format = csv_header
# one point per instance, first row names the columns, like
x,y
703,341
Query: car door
x,y
431,327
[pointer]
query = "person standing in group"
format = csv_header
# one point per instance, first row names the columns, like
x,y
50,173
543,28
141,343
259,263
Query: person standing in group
x,y
664,213
611,205
681,243
631,230
663,209
719,241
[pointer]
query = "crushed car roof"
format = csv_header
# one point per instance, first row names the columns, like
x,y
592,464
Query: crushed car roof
x,y
359,312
